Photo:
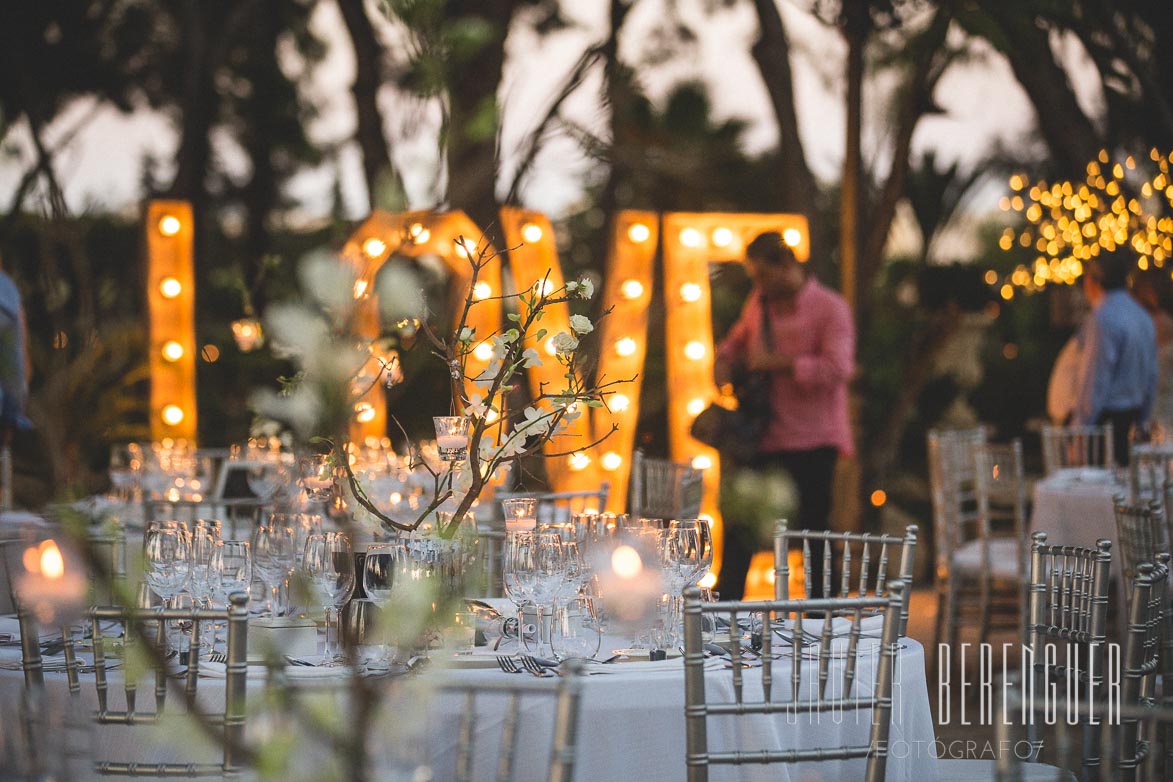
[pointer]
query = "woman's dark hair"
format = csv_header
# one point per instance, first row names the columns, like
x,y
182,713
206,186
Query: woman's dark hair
x,y
768,248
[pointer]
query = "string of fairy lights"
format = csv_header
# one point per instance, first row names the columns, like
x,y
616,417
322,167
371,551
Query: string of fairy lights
x,y
1119,204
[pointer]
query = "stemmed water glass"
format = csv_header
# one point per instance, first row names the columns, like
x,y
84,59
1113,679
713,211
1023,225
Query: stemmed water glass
x,y
329,564
316,476
384,568
518,574
274,556
549,578
168,562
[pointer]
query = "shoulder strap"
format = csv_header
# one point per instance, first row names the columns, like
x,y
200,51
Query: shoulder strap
x,y
764,306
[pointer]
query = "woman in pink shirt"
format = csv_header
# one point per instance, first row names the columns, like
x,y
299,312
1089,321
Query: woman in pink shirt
x,y
810,357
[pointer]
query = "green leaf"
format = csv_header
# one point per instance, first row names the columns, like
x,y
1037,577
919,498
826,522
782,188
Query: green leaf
x,y
513,316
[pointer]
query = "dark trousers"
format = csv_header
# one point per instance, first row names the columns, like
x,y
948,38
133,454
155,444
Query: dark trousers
x,y
813,471
1122,422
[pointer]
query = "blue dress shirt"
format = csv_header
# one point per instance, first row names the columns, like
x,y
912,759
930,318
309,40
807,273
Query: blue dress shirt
x,y
1119,366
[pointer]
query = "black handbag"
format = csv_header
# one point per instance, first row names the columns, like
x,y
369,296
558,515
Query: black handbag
x,y
736,433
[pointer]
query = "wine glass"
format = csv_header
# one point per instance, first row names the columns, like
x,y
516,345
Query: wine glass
x,y
549,578
703,540
383,568
230,568
274,556
329,564
317,476
168,561
518,573
575,630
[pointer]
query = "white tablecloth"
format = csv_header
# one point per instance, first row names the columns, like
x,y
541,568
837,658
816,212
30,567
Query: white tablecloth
x,y
632,724
1074,507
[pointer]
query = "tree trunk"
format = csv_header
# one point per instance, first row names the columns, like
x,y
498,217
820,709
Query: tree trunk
x,y
856,24
771,52
473,122
369,55
914,103
1068,132
198,107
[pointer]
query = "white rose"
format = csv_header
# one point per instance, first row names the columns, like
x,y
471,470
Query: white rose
x,y
565,343
586,288
580,324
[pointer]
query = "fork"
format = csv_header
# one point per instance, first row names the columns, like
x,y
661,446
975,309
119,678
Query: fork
x,y
507,664
534,667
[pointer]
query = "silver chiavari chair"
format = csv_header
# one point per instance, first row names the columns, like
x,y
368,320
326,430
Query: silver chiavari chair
x,y
1077,446
867,562
566,690
807,688
1068,607
1150,470
662,489
1141,533
146,628
1134,734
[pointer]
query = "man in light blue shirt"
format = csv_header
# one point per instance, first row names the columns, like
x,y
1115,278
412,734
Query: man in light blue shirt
x,y
1118,370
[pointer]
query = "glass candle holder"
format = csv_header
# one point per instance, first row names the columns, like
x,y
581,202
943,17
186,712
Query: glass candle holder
x,y
521,513
452,437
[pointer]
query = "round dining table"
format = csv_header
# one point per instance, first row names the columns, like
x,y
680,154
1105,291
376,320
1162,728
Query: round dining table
x,y
631,726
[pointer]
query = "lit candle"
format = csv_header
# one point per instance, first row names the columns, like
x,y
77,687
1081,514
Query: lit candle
x,y
452,437
52,586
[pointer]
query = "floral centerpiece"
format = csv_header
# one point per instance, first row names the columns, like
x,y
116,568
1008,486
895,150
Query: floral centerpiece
x,y
336,369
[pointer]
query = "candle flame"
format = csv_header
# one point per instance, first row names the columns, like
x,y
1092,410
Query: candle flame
x,y
52,563
626,562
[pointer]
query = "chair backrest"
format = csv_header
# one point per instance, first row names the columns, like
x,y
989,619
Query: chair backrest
x,y
953,476
1069,734
1077,446
807,688
1069,592
1140,532
662,489
559,507
1150,471
868,563
1147,626
1002,480
146,628
566,691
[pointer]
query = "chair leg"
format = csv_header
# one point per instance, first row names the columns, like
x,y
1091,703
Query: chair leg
x,y
939,625
951,617
984,597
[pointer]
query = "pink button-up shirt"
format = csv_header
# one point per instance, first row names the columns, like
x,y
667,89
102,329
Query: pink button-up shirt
x,y
809,406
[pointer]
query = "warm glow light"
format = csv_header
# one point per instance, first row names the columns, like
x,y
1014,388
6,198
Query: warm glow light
x,y
52,563
418,233
170,287
611,461
690,292
638,233
722,237
169,225
1007,292
579,461
625,346
482,290
360,288
210,353
172,415
792,237
991,277
491,415
543,287
483,351
364,413
691,237
374,247
395,498
696,406
879,497
626,562
632,289
531,232
619,403
702,462
694,350
551,348
172,350
458,246
709,581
